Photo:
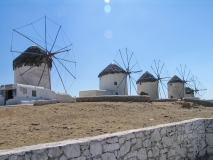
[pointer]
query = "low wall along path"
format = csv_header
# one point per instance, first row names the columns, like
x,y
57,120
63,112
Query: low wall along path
x,y
182,140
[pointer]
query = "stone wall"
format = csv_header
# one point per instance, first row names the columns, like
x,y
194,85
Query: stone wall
x,y
115,98
182,140
200,102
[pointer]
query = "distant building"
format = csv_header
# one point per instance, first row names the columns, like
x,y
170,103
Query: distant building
x,y
175,88
149,84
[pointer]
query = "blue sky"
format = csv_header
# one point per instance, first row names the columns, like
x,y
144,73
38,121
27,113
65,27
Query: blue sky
x,y
173,31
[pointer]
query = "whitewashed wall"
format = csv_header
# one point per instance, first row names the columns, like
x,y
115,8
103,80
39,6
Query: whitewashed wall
x,y
94,93
148,87
175,141
106,82
24,95
32,76
176,90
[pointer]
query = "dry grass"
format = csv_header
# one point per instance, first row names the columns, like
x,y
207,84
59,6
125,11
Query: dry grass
x,y
28,125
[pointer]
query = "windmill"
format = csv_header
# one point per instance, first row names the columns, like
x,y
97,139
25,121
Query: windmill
x,y
126,60
46,55
198,89
186,77
160,70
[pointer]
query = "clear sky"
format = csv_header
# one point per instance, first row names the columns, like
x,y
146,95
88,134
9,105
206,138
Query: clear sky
x,y
173,31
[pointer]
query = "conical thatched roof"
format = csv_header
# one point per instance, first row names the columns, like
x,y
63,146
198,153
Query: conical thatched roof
x,y
30,57
189,90
146,77
175,79
111,69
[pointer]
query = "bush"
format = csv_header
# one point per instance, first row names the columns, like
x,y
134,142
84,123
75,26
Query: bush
x,y
143,93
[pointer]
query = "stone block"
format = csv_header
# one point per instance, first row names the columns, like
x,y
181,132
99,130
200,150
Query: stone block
x,y
155,136
166,141
124,149
142,155
72,151
146,143
54,152
112,140
108,156
110,147
209,139
95,149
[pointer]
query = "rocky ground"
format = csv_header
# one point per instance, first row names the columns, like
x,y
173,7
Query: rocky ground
x,y
29,125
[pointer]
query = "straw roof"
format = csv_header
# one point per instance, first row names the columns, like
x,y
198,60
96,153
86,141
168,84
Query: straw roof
x,y
175,79
111,69
146,77
32,56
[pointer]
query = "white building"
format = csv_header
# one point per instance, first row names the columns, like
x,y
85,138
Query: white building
x,y
32,68
113,78
147,83
175,88
25,94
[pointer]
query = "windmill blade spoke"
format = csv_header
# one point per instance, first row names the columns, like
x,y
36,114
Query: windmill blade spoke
x,y
29,53
188,74
65,67
54,53
156,66
60,77
153,70
55,39
130,86
130,58
163,89
179,73
45,35
182,91
28,39
184,70
136,71
42,74
122,59
133,84
134,65
63,48
127,59
31,67
66,60
118,64
161,68
121,81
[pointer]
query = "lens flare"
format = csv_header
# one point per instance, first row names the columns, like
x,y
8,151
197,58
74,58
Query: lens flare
x,y
107,8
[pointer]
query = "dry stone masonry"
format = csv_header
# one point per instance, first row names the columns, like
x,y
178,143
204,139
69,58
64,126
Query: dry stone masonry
x,y
182,140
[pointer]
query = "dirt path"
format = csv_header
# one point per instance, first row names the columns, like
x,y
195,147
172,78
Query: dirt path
x,y
28,125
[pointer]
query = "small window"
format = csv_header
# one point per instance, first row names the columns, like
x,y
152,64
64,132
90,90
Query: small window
x,y
34,93
115,83
116,93
170,84
171,96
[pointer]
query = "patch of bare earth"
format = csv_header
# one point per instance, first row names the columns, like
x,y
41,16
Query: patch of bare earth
x,y
29,125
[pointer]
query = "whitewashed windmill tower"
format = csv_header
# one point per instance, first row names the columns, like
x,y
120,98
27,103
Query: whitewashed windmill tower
x,y
175,87
149,84
113,78
32,67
